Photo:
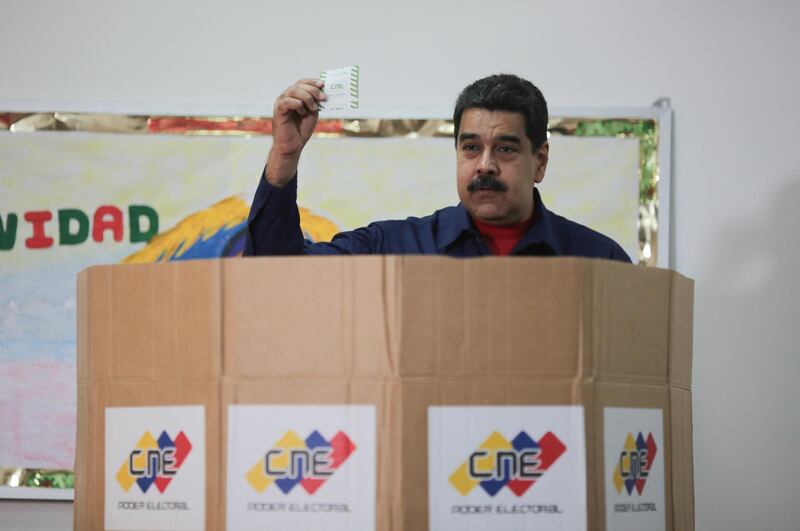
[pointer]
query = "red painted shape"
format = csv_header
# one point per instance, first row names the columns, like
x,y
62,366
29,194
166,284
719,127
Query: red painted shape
x,y
342,447
162,483
39,240
311,485
651,451
182,449
520,486
651,457
552,448
107,218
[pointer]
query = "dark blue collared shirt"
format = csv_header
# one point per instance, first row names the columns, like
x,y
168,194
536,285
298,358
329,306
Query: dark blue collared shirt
x,y
273,228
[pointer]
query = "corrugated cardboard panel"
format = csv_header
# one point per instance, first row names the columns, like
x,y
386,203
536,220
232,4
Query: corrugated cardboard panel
x,y
593,433
149,323
90,466
497,316
305,391
626,396
306,316
430,323
682,460
402,333
88,509
85,304
631,322
680,331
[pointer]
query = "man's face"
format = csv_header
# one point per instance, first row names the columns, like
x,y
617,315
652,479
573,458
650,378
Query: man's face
x,y
496,166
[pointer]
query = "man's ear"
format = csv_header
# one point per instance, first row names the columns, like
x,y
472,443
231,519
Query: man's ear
x,y
542,155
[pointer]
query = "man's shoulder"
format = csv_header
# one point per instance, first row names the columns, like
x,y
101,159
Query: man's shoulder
x,y
417,235
435,219
578,239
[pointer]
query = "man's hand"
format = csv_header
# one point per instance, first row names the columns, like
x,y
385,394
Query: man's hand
x,y
294,118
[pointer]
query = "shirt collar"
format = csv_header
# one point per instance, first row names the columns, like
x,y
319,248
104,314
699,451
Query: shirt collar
x,y
457,222
541,231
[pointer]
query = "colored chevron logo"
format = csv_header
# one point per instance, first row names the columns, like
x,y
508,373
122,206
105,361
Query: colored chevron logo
x,y
516,464
293,461
154,461
635,463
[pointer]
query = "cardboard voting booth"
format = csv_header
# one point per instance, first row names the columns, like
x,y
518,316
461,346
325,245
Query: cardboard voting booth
x,y
384,393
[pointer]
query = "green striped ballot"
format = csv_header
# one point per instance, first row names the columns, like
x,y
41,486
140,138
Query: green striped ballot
x,y
341,87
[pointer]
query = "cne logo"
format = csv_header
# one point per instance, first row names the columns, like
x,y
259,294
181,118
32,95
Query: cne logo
x,y
635,462
309,462
154,461
498,463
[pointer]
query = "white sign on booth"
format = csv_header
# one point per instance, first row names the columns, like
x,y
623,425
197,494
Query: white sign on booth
x,y
506,467
301,467
155,468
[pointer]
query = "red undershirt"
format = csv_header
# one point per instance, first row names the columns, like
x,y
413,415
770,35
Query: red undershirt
x,y
501,239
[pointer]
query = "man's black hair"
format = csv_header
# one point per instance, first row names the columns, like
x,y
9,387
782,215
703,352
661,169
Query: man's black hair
x,y
506,92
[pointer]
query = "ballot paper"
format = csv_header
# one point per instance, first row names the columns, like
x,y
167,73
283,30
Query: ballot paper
x,y
341,87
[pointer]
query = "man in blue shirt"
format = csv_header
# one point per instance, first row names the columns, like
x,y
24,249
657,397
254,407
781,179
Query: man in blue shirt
x,y
501,153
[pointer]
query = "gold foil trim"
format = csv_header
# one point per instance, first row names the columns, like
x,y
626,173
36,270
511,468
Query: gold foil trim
x,y
216,125
34,122
37,478
102,123
11,477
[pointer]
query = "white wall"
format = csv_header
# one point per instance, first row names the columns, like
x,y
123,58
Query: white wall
x,y
730,69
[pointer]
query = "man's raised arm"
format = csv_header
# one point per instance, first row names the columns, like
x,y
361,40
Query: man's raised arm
x,y
273,227
294,118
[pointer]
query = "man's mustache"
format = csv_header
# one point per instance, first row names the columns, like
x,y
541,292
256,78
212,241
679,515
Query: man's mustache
x,y
487,182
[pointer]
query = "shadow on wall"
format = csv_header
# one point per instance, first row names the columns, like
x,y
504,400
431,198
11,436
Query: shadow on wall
x,y
747,372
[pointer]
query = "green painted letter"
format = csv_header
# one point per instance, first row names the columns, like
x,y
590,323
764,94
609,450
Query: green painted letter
x,y
8,234
67,216
136,213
